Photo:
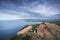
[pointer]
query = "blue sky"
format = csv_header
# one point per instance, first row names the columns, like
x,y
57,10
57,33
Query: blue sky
x,y
29,9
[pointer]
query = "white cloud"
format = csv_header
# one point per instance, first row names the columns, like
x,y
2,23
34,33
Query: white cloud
x,y
9,17
44,10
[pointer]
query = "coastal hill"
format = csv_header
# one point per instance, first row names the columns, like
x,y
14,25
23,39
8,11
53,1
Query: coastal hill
x,y
43,31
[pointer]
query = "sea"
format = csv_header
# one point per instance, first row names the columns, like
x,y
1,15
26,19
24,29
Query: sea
x,y
8,28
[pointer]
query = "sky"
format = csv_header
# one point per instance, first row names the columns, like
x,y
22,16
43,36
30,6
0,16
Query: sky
x,y
29,9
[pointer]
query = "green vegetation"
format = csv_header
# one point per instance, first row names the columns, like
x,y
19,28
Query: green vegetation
x,y
27,37
20,37
35,26
51,21
24,27
12,38
48,21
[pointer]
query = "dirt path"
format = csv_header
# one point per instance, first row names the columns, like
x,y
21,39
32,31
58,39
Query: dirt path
x,y
54,30
53,26
51,32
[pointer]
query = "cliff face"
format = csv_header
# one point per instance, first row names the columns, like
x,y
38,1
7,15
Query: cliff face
x,y
25,30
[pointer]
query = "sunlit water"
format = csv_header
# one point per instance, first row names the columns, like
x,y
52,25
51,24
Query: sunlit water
x,y
9,28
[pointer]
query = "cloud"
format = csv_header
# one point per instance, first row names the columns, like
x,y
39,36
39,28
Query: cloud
x,y
30,8
44,9
9,17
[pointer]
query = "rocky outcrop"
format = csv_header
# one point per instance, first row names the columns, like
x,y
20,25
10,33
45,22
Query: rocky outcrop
x,y
25,30
47,31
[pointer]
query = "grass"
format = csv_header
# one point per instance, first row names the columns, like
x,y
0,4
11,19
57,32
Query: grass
x,y
27,37
15,37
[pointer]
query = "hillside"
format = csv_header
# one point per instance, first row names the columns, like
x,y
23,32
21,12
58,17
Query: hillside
x,y
51,32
